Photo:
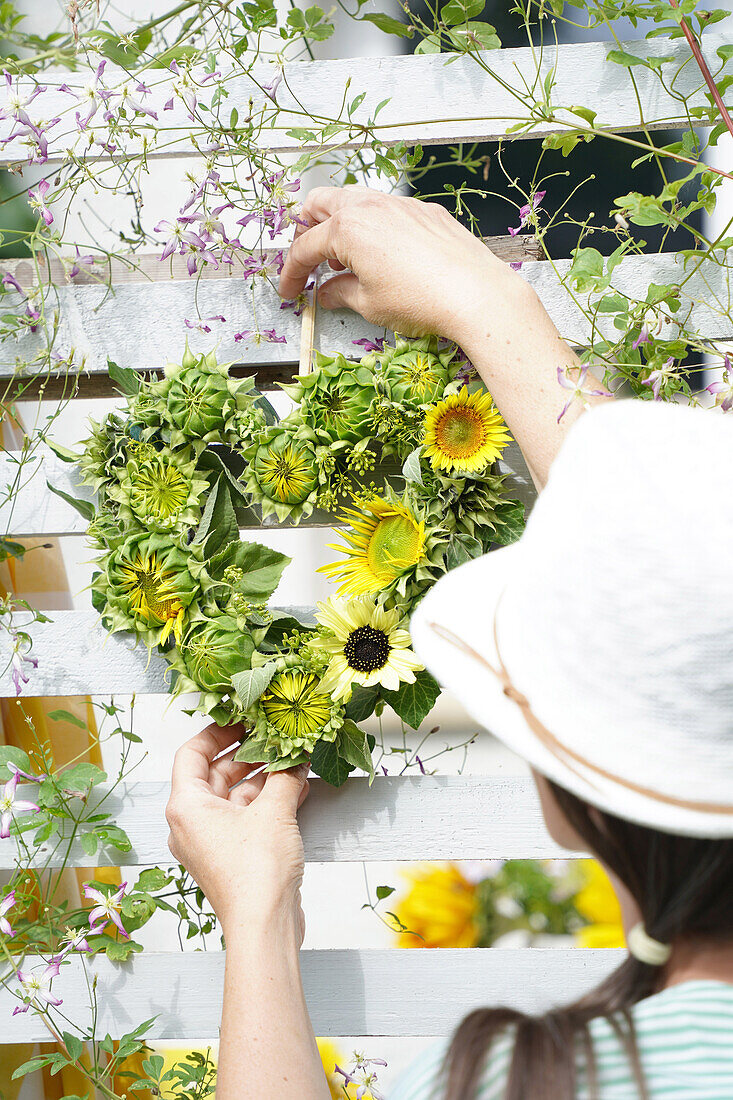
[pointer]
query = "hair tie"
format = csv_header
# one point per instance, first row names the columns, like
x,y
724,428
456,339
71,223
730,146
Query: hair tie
x,y
645,949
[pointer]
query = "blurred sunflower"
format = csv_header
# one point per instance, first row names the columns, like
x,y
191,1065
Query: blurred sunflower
x,y
596,901
385,540
464,433
440,908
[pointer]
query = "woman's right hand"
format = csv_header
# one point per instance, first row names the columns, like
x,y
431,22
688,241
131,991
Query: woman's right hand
x,y
412,267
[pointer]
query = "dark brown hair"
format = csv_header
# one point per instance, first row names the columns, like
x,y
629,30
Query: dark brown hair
x,y
682,887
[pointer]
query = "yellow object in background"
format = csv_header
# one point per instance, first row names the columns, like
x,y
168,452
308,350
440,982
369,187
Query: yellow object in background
x,y
597,902
440,908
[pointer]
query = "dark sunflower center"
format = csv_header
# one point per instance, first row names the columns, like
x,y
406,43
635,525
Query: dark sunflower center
x,y
367,649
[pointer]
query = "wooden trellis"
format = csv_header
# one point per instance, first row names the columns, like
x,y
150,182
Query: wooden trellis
x,y
406,818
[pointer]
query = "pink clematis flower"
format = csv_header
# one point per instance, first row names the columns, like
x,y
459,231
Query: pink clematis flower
x,y
5,906
723,389
525,212
658,377
36,986
76,940
202,325
37,201
107,908
264,264
370,345
10,806
580,392
643,338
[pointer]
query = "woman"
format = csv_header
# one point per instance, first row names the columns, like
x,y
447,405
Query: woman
x,y
591,647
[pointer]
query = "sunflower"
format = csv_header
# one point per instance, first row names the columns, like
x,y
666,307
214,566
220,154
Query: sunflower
x,y
293,713
149,587
286,473
367,646
386,540
158,489
440,909
464,433
280,471
597,902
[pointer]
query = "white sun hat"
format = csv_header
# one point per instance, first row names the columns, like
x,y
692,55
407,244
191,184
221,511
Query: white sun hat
x,y
613,618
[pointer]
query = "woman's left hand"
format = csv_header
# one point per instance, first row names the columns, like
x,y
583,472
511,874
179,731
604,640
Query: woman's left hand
x,y
243,847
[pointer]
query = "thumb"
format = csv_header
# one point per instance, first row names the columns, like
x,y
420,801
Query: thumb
x,y
340,292
284,789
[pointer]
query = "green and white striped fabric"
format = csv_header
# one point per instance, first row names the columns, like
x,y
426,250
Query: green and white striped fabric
x,y
685,1038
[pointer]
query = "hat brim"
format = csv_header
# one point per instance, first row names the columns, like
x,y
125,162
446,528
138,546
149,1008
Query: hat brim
x,y
464,603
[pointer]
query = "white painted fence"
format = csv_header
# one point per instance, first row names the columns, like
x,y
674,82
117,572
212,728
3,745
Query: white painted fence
x,y
349,992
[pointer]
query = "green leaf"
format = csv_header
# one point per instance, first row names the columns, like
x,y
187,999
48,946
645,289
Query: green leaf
x,y
85,508
152,879
460,11
725,52
32,1065
80,776
64,453
89,842
262,568
74,1045
10,754
480,34
218,524
384,892
413,702
326,762
353,747
250,684
120,950
126,379
389,25
67,716
511,515
253,750
411,469
361,704
621,57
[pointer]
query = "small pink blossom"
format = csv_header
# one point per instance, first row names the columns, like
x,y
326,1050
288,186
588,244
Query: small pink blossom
x,y
6,905
580,392
269,87
516,265
36,986
658,377
10,806
20,658
266,265
370,345
80,262
37,201
107,908
361,1075
261,336
26,775
525,212
11,281
722,390
202,324
643,338
76,940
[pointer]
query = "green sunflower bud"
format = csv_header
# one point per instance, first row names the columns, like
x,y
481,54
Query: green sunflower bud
x,y
413,372
212,650
146,585
104,451
281,472
161,490
335,398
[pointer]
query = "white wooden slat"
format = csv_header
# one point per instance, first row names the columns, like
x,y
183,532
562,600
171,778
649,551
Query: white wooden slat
x,y
134,324
77,656
397,818
349,992
433,98
33,510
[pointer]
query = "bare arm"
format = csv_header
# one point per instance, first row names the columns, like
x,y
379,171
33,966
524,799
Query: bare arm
x,y
411,267
243,848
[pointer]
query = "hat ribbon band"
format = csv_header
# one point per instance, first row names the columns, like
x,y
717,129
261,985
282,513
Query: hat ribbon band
x,y
555,745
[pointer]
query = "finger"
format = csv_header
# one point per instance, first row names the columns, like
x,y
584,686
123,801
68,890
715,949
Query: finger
x,y
304,255
283,789
192,762
248,791
323,202
226,771
340,292
304,793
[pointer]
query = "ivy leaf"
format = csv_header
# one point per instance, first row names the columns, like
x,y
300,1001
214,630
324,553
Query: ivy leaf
x,y
120,950
411,470
353,747
326,762
510,522
362,702
413,702
461,550
250,684
126,379
85,508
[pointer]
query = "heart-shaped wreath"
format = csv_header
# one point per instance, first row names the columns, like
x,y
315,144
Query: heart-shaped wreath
x,y
402,445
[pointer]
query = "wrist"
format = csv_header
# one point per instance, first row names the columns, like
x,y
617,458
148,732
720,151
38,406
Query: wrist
x,y
493,312
263,930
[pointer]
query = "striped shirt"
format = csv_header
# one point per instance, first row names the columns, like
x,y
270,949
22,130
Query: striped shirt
x,y
685,1040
